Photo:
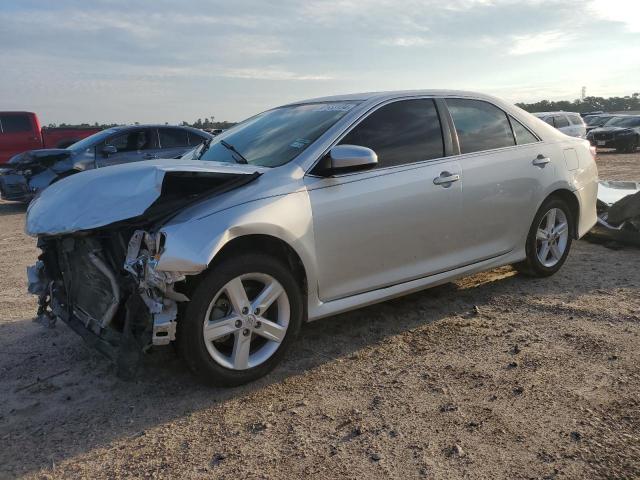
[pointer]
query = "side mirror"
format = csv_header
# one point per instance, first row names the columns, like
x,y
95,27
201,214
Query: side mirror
x,y
109,150
343,158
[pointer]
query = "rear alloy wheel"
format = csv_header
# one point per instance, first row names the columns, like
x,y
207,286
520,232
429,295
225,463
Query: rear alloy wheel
x,y
241,319
549,240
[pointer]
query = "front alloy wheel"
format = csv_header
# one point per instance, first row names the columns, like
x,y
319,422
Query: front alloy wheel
x,y
247,321
242,317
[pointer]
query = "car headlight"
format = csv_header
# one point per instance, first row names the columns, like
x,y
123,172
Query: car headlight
x,y
626,132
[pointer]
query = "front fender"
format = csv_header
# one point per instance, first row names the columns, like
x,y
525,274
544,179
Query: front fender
x,y
191,245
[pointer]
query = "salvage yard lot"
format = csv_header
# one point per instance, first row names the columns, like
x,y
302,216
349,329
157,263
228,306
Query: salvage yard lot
x,y
493,376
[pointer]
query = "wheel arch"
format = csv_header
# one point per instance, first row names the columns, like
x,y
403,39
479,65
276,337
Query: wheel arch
x,y
262,244
571,200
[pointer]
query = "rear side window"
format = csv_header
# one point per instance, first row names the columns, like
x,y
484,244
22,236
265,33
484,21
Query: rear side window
x,y
480,125
560,121
173,137
15,123
401,132
522,133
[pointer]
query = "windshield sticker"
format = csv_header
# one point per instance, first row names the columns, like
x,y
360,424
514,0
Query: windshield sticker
x,y
334,107
300,143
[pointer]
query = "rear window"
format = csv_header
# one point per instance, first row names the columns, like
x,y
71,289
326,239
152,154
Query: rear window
x,y
480,125
173,137
575,119
522,133
195,139
15,123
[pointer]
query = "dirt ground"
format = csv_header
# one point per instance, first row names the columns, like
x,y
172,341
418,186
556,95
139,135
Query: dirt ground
x,y
494,376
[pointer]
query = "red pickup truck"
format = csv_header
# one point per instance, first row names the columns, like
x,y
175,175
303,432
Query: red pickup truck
x,y
20,131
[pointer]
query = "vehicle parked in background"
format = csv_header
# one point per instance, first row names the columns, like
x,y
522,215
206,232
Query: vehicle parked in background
x,y
20,131
302,212
621,132
569,123
595,121
31,172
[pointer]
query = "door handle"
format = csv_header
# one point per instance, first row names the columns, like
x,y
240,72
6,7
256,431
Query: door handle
x,y
541,161
446,179
149,156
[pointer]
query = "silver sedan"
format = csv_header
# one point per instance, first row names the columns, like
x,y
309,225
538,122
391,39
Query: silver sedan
x,y
302,212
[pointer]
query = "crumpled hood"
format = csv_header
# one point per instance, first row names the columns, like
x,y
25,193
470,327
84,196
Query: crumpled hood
x,y
42,156
100,197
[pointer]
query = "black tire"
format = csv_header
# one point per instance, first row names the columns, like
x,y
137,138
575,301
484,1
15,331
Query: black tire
x,y
190,337
532,266
631,147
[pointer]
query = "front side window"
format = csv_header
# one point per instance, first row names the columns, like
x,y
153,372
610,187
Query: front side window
x,y
277,136
195,139
132,141
173,137
560,121
401,132
480,125
15,123
523,135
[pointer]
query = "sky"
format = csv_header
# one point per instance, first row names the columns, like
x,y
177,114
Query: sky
x,y
122,61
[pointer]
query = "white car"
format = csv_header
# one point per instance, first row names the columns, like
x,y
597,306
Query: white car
x,y
301,212
569,123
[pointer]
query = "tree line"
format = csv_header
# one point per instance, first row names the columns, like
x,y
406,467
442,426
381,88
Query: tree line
x,y
206,124
587,104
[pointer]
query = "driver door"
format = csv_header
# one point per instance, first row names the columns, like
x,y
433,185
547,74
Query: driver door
x,y
397,222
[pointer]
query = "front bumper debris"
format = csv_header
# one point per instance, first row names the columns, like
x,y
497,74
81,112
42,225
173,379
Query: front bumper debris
x,y
155,288
618,212
14,187
120,311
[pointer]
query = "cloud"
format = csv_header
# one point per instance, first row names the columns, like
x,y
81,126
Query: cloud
x,y
412,41
539,42
626,12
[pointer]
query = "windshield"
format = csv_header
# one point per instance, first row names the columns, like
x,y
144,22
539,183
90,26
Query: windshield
x,y
275,137
623,122
597,120
92,140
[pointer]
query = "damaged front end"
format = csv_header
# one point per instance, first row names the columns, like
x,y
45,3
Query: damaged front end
x,y
108,292
103,280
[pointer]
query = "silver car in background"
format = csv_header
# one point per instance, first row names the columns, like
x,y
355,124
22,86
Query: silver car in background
x,y
302,212
569,123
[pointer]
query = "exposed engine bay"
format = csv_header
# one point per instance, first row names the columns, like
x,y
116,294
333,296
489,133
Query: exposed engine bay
x,y
103,282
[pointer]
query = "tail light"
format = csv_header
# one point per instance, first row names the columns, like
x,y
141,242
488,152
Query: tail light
x,y
592,149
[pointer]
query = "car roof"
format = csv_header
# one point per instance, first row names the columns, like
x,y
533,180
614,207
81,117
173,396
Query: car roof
x,y
389,95
555,113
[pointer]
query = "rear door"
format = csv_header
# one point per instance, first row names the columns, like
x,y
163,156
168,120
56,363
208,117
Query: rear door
x,y
132,145
392,224
502,183
18,133
173,142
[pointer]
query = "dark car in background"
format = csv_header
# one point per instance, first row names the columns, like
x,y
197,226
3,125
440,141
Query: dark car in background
x,y
595,121
621,132
31,172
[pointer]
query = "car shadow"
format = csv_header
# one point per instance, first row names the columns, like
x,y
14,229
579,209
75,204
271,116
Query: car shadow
x,y
12,208
79,405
